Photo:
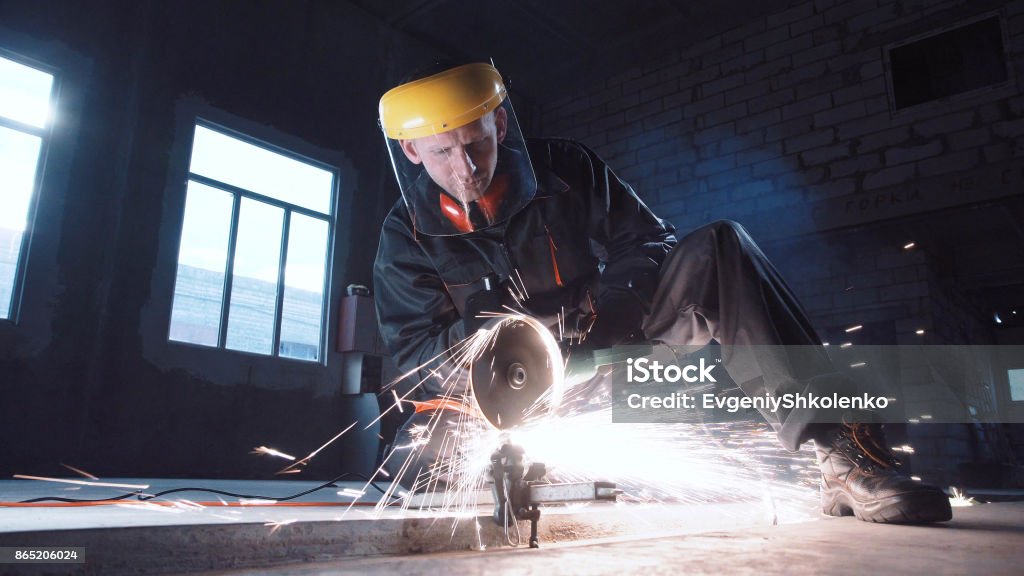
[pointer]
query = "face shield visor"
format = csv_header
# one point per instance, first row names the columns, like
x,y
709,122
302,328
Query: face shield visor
x,y
458,153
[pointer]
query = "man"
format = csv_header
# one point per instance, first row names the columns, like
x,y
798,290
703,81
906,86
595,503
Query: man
x,y
482,206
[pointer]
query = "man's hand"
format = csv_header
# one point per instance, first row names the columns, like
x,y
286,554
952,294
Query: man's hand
x,y
579,363
483,304
619,319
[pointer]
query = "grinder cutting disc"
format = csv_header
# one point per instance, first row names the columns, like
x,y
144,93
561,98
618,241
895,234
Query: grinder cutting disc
x,y
518,365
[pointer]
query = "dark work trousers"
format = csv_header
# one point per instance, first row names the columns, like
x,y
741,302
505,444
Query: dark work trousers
x,y
717,284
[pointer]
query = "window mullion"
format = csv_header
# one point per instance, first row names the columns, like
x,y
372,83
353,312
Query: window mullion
x,y
22,127
229,274
279,311
256,196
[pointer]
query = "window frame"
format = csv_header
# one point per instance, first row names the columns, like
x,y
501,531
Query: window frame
x,y
45,135
1009,388
977,95
238,194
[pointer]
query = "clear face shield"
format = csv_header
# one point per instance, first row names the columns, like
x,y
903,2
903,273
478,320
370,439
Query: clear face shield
x,y
458,153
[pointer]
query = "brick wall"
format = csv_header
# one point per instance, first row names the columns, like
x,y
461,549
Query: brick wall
x,y
785,125
786,109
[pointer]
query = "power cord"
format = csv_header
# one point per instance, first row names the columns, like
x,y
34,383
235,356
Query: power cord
x,y
144,497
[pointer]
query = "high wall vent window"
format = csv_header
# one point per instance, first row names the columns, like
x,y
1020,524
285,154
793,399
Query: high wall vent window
x,y
255,248
948,63
26,104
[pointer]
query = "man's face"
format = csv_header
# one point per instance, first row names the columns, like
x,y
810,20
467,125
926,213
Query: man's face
x,y
462,161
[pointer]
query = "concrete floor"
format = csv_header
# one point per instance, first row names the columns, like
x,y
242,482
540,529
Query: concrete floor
x,y
195,531
319,538
984,539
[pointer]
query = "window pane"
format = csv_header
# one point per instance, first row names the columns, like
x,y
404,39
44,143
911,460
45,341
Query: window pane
x,y
202,258
24,93
19,154
1017,384
259,170
254,279
10,247
304,273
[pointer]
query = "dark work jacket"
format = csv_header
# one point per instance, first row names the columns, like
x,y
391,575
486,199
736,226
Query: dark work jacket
x,y
582,244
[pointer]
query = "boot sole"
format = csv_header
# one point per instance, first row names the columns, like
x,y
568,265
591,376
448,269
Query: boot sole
x,y
908,508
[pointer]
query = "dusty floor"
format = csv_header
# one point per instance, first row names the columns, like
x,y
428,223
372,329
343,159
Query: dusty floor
x,y
320,537
984,539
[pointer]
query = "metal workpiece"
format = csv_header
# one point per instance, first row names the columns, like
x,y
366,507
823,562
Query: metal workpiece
x,y
564,493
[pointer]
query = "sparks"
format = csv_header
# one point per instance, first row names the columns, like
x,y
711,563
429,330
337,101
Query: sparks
x,y
83,482
958,499
256,502
276,525
398,401
572,432
79,472
263,450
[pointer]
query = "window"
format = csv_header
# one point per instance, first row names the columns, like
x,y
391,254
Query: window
x,y
254,252
25,105
948,63
1016,384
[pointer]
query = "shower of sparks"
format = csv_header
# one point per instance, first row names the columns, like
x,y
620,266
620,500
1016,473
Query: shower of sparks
x,y
263,450
79,472
958,499
651,463
83,482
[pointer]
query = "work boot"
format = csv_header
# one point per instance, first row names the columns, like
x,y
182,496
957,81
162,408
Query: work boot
x,y
860,477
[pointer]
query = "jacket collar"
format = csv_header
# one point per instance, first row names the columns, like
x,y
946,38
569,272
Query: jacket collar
x,y
548,184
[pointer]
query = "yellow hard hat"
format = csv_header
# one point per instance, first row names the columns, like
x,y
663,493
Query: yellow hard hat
x,y
442,102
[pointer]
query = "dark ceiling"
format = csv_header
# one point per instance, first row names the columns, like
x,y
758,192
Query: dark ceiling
x,y
551,49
